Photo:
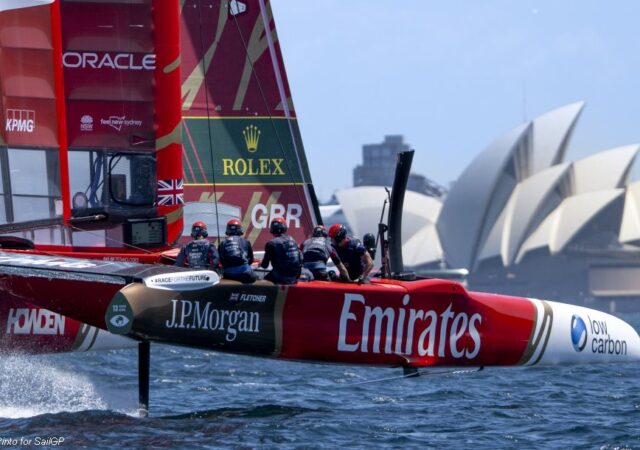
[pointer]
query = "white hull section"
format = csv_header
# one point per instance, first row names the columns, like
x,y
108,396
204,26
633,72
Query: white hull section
x,y
91,338
569,334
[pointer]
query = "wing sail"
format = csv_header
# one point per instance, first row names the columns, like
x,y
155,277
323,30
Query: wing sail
x,y
244,156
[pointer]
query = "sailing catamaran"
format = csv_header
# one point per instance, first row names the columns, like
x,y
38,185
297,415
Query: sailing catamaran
x,y
95,185
96,114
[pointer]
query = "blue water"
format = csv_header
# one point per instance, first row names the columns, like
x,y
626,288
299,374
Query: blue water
x,y
212,400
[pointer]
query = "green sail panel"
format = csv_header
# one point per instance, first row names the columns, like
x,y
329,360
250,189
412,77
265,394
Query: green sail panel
x,y
247,151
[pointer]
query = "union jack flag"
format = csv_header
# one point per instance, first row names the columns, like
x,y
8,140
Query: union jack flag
x,y
170,192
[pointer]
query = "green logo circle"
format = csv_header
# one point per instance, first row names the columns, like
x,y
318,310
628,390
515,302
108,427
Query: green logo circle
x,y
119,316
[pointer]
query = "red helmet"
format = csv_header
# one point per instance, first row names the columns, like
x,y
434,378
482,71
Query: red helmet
x,y
320,231
337,232
278,226
234,228
199,228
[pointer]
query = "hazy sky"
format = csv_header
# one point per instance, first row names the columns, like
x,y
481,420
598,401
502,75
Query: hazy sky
x,y
452,76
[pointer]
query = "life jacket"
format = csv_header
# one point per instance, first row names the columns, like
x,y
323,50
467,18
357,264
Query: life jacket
x,y
233,252
351,256
201,254
287,259
315,253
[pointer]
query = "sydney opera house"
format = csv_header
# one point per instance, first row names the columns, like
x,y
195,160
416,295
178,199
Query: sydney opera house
x,y
525,221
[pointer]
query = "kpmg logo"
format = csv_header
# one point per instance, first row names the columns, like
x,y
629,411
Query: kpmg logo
x,y
20,120
578,333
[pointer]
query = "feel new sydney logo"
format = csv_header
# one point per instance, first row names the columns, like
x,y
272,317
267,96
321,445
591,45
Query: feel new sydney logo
x,y
252,166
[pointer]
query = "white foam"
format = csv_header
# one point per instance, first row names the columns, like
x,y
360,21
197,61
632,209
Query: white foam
x,y
30,386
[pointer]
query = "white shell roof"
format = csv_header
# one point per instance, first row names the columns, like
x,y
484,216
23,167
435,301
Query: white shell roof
x,y
464,213
422,248
523,212
493,244
516,196
362,207
604,170
329,210
551,134
630,226
560,227
473,214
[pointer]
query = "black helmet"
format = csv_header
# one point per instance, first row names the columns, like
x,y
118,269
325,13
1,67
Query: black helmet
x,y
369,242
278,226
199,228
320,231
234,228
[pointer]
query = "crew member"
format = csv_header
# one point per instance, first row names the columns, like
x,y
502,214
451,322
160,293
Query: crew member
x,y
199,253
316,251
236,254
283,254
369,242
352,253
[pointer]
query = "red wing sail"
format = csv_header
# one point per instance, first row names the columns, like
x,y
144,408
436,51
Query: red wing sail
x,y
243,155
29,138
91,100
122,84
90,94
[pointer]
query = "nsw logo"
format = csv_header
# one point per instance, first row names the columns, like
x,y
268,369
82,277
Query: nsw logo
x,y
578,333
86,123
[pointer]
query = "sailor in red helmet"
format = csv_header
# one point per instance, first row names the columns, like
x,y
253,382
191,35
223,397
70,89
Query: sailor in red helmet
x,y
316,251
283,254
199,253
236,254
352,253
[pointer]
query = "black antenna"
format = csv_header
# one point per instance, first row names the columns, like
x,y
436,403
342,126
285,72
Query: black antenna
x,y
403,168
384,243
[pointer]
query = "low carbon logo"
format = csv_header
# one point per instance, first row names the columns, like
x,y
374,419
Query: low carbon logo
x,y
578,333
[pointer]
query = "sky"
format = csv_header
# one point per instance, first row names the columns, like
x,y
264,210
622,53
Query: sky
x,y
453,76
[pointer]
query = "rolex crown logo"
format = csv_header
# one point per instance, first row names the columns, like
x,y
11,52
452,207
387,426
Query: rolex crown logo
x,y
251,137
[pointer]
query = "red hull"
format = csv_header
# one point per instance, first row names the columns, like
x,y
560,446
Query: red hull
x,y
419,323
